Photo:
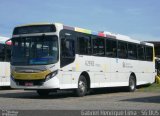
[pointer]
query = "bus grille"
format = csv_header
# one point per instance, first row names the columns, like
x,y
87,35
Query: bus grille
x,y
34,82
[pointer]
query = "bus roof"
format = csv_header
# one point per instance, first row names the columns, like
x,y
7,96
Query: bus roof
x,y
100,33
34,24
106,34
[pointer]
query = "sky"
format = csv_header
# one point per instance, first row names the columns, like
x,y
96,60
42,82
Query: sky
x,y
139,19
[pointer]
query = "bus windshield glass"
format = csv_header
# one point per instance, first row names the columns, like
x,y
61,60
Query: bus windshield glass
x,y
35,50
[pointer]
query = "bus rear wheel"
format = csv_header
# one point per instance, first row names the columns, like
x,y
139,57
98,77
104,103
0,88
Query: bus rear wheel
x,y
43,92
132,84
82,87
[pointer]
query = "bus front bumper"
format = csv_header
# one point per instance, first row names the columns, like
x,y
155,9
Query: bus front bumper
x,y
52,83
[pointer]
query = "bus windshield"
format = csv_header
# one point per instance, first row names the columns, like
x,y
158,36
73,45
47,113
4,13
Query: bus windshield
x,y
35,50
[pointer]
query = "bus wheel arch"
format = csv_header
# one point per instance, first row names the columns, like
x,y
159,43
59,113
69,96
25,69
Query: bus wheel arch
x,y
83,84
132,82
86,75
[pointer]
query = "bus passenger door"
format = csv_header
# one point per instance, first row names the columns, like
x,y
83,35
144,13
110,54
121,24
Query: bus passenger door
x,y
67,58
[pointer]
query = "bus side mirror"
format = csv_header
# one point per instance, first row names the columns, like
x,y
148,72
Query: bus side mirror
x,y
9,41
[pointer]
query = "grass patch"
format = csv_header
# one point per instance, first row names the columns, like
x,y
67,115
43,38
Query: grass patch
x,y
149,88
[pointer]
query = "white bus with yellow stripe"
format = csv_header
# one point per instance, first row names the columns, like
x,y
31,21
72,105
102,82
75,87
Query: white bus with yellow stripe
x,y
5,54
48,57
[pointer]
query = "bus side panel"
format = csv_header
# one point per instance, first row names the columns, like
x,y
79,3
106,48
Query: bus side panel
x,y
85,63
7,74
101,71
125,68
68,77
146,72
4,74
113,72
70,73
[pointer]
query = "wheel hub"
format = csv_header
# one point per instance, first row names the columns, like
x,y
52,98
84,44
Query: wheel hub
x,y
132,85
82,86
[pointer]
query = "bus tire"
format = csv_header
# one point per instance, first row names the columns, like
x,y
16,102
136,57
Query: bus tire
x,y
82,87
132,84
43,92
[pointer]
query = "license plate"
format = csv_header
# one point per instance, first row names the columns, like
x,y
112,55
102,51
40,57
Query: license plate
x,y
28,84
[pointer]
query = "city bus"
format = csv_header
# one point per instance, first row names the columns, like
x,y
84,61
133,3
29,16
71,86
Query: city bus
x,y
5,55
49,57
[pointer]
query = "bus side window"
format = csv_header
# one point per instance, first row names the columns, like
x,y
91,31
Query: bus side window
x,y
122,49
84,45
149,53
98,46
132,51
111,48
141,54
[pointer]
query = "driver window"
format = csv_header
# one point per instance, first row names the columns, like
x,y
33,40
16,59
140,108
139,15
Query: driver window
x,y
67,51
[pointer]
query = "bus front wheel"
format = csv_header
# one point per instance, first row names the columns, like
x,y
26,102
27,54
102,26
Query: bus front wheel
x,y
82,87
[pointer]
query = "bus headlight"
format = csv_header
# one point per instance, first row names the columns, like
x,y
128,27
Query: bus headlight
x,y
51,75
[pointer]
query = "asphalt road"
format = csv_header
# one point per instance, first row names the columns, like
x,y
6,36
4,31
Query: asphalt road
x,y
110,99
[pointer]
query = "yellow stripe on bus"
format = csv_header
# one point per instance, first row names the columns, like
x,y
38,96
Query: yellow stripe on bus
x,y
30,76
83,30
